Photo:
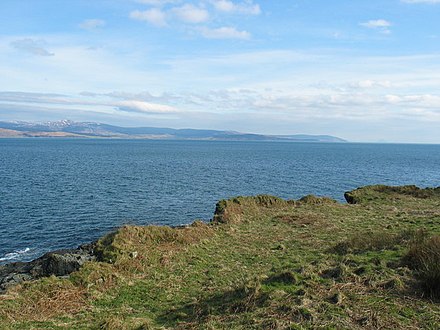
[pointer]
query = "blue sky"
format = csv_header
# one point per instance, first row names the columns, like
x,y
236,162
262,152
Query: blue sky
x,y
361,70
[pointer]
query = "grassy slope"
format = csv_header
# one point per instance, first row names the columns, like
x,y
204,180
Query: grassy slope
x,y
264,263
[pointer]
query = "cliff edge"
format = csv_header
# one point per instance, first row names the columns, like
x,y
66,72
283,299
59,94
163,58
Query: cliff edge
x,y
261,263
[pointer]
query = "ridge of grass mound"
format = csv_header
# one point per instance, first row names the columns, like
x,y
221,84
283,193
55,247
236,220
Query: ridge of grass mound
x,y
380,192
232,210
129,241
261,263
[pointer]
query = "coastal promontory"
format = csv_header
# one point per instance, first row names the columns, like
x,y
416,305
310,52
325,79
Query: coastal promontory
x,y
261,263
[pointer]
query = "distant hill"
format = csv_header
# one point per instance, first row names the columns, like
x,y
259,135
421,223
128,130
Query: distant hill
x,y
67,128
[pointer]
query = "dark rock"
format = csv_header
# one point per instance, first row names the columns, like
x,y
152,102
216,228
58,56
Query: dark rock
x,y
58,263
350,198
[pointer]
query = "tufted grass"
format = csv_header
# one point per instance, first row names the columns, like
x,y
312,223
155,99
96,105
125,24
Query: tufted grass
x,y
262,263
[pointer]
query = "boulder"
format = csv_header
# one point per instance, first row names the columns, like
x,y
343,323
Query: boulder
x,y
58,263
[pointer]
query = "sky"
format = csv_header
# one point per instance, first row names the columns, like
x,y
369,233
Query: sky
x,y
366,71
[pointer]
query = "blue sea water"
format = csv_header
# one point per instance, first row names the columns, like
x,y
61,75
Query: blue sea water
x,y
59,193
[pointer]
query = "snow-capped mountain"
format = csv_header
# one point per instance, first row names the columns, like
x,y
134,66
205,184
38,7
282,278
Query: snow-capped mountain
x,y
68,128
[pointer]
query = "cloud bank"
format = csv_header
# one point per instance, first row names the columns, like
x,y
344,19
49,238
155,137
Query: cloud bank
x,y
153,16
168,13
31,46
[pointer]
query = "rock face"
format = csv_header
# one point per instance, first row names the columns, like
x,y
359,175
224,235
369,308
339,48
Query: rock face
x,y
58,263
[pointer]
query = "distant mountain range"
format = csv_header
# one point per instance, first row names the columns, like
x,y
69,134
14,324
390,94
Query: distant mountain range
x,y
67,128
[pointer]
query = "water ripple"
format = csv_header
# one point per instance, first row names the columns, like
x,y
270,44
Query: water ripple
x,y
59,193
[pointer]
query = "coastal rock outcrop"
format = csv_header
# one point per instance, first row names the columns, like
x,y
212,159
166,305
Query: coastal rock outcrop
x,y
58,263
376,193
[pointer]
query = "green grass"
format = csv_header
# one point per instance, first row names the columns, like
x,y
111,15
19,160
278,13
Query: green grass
x,y
424,257
263,263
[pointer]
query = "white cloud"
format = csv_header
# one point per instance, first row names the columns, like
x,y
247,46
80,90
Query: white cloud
x,y
225,33
372,84
144,107
247,110
90,24
224,5
379,24
374,24
154,16
156,2
289,89
247,7
102,101
416,101
191,14
301,105
421,1
31,46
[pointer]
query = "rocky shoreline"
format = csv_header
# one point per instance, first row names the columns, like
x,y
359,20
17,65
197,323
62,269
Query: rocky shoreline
x,y
262,262
64,262
59,263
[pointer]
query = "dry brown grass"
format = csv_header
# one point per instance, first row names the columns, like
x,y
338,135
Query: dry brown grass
x,y
160,237
231,211
135,242
97,278
43,300
317,200
121,322
228,212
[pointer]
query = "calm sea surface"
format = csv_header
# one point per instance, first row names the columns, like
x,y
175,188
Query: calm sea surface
x,y
59,193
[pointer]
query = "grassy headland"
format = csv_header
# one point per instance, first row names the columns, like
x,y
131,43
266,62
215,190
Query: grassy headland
x,y
262,263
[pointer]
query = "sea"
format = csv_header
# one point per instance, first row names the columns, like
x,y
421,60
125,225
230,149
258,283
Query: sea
x,y
60,193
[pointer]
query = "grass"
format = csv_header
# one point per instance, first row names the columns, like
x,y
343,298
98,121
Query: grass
x,y
262,263
361,242
424,257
